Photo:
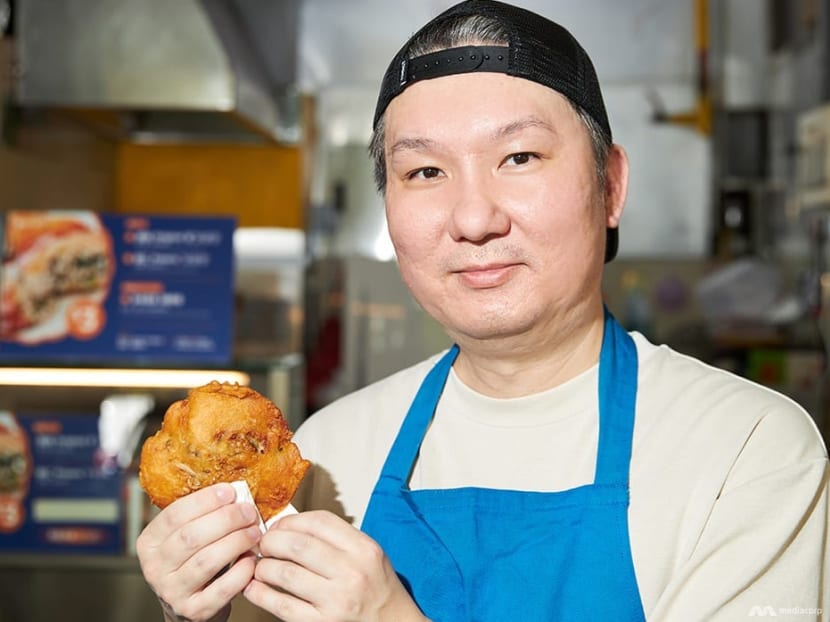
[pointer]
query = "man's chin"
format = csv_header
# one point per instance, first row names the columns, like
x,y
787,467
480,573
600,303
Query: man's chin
x,y
489,329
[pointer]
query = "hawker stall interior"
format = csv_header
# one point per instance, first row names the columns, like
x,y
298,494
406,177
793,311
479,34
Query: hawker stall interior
x,y
186,195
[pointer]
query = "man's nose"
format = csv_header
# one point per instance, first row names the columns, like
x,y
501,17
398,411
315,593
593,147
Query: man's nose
x,y
476,211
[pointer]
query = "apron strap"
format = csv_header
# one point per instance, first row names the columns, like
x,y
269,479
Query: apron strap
x,y
401,456
617,403
617,393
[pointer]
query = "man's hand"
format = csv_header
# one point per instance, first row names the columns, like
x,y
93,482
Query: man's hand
x,y
316,566
195,554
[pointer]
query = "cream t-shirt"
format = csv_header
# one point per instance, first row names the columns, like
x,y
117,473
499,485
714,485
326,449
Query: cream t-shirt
x,y
729,480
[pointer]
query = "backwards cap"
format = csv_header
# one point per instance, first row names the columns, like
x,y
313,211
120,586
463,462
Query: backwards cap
x,y
538,50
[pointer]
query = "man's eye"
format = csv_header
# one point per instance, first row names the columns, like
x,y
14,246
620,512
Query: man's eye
x,y
520,158
429,172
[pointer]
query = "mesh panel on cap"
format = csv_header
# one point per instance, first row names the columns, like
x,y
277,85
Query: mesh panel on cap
x,y
540,50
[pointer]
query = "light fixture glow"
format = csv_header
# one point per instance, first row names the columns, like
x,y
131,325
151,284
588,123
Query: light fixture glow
x,y
147,378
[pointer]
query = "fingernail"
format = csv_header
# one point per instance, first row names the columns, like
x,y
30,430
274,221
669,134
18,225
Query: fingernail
x,y
248,511
254,532
225,493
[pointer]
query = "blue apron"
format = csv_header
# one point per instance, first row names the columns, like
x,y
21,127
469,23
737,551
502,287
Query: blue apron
x,y
486,554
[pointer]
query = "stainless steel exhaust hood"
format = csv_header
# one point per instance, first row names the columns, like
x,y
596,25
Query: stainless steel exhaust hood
x,y
164,69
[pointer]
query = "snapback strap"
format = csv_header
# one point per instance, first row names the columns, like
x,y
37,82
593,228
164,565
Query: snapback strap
x,y
454,60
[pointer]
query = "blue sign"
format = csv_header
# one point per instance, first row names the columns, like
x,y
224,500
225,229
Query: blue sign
x,y
64,496
91,288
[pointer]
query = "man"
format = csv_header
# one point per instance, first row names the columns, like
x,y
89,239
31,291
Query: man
x,y
549,466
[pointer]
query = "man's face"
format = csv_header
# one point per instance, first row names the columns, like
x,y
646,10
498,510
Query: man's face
x,y
493,204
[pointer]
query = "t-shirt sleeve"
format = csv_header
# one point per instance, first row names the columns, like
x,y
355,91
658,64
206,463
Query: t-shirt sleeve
x,y
317,491
764,548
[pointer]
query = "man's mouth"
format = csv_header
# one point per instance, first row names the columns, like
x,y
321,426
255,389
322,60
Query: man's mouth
x,y
486,276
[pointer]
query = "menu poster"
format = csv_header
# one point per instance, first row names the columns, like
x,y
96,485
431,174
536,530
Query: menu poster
x,y
83,287
56,494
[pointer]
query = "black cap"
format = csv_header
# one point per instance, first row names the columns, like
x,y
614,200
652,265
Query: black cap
x,y
538,50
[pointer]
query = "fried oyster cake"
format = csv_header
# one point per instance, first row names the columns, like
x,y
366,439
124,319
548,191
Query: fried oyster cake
x,y
223,433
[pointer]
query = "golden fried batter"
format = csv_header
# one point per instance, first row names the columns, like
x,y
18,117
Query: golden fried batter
x,y
223,433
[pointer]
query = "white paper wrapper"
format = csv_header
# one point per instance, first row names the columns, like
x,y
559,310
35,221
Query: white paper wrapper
x,y
243,495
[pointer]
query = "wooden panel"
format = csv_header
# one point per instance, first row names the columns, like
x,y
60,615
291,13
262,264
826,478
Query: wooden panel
x,y
261,185
54,164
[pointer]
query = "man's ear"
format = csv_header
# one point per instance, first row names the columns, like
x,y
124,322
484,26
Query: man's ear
x,y
616,185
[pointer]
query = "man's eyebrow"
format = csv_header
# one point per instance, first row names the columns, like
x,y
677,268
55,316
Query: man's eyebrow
x,y
522,124
411,144
426,144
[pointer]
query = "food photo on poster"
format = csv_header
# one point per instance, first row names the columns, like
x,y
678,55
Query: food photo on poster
x,y
56,272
